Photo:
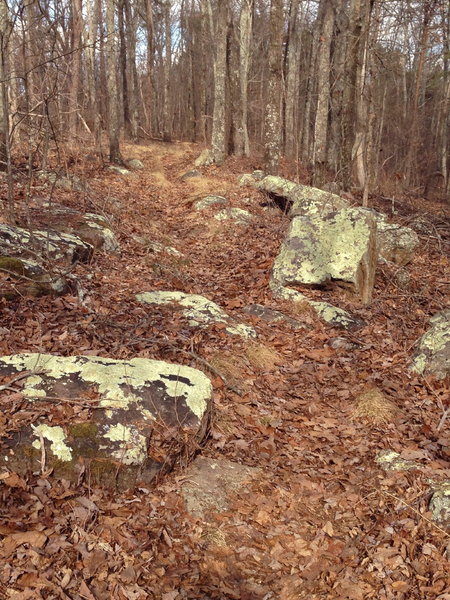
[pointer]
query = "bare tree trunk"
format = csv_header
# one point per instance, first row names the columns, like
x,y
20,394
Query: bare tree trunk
x,y
245,35
4,118
272,119
167,127
132,70
113,94
293,51
90,43
150,56
323,94
218,138
77,24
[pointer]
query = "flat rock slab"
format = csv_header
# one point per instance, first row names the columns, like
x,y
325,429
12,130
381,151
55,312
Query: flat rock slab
x,y
119,170
239,216
393,461
333,315
440,502
211,484
209,201
301,199
41,245
145,414
89,227
340,246
272,316
432,356
198,310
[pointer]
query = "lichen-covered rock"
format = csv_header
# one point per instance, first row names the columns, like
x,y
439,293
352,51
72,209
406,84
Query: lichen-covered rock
x,y
89,227
190,174
198,310
395,243
239,216
247,180
302,199
210,201
69,184
272,316
432,356
119,170
41,245
440,502
392,461
258,174
126,439
135,163
337,317
156,247
340,246
23,277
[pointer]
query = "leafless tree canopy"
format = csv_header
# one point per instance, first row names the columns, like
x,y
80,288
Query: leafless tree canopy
x,y
356,91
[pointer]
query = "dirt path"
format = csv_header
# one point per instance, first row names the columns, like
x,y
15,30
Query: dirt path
x,y
318,518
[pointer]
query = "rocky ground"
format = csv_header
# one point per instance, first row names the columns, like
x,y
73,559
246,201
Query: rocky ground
x,y
286,500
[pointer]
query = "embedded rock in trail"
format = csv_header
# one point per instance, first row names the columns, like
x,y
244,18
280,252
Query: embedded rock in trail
x,y
301,200
145,413
23,277
432,356
190,174
393,461
203,159
337,317
208,201
198,310
89,227
211,483
119,170
41,245
440,502
239,216
69,184
340,247
156,247
273,316
135,163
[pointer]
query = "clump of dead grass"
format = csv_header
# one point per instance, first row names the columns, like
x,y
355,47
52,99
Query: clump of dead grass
x,y
231,369
373,406
262,357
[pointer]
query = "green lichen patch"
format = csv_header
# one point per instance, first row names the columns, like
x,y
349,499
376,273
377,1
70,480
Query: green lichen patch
x,y
198,310
432,356
337,317
440,502
238,215
392,461
137,400
340,246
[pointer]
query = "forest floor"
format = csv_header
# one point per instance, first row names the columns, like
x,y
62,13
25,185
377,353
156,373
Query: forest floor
x,y
319,519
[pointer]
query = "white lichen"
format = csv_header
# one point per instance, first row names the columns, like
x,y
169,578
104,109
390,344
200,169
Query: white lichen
x,y
57,439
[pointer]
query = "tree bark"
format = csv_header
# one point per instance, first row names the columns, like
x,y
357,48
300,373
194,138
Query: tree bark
x,y
113,94
272,119
218,138
292,66
77,24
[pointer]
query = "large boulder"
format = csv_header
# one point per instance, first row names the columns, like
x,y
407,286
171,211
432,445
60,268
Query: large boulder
x,y
43,245
198,310
89,227
144,414
301,199
22,277
432,356
339,246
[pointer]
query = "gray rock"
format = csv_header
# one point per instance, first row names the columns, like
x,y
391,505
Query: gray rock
x,y
392,461
238,216
198,310
119,170
440,502
39,245
395,243
258,175
135,163
208,201
273,316
190,174
340,247
29,278
125,441
432,356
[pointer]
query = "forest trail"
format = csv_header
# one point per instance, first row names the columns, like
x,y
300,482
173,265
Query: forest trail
x,y
313,516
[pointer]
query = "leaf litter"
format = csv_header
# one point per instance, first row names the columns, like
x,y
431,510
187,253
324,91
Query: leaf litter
x,y
320,519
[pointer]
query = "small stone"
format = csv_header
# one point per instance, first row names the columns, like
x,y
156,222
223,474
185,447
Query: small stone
x,y
392,461
135,163
210,201
440,502
190,174
119,170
